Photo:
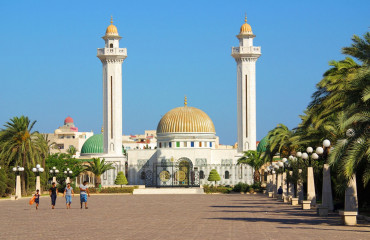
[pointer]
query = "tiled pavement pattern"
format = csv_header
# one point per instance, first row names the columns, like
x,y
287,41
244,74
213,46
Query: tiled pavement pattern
x,y
169,217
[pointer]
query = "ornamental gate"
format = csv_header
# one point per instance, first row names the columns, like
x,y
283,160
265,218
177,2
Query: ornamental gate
x,y
179,174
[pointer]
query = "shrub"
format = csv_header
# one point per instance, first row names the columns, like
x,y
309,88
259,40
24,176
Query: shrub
x,y
117,190
218,189
256,186
241,187
120,179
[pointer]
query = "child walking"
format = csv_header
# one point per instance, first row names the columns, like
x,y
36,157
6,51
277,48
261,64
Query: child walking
x,y
37,198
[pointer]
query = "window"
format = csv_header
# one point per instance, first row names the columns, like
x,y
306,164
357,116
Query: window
x,y
227,175
210,144
192,144
165,145
177,144
170,144
200,144
142,175
201,174
185,144
160,145
111,45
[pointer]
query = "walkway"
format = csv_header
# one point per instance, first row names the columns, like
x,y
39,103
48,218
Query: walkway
x,y
168,217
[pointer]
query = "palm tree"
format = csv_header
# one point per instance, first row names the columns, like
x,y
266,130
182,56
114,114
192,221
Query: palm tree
x,y
360,48
255,160
98,167
72,150
280,140
20,145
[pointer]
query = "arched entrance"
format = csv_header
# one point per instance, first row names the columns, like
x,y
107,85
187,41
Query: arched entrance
x,y
179,173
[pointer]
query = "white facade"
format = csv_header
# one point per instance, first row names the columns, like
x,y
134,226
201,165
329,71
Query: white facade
x,y
246,56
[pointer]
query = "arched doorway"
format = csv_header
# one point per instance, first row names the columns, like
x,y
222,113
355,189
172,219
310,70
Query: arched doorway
x,y
179,173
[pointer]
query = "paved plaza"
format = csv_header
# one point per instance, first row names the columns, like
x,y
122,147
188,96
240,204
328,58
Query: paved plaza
x,y
232,216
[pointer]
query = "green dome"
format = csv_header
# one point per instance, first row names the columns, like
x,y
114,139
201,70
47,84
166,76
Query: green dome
x,y
263,145
93,144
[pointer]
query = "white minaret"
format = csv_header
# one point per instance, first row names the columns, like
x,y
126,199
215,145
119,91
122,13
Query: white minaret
x,y
112,58
246,56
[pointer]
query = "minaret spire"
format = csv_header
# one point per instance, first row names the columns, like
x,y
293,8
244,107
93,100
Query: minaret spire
x,y
185,101
111,19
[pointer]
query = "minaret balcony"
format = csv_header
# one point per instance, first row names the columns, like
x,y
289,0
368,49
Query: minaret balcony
x,y
112,51
246,50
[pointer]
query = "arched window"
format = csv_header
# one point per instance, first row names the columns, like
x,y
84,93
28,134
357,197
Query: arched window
x,y
227,175
142,176
201,174
111,45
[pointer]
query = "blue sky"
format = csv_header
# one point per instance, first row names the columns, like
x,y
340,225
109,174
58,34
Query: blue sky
x,y
49,69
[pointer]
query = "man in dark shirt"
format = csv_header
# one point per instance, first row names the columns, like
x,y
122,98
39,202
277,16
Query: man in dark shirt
x,y
53,191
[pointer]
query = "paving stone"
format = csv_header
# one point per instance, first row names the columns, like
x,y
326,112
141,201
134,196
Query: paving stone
x,y
169,217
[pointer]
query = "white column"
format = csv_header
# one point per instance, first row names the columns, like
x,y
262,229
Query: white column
x,y
311,195
246,56
55,179
68,180
327,197
18,190
351,202
38,185
278,184
274,189
291,186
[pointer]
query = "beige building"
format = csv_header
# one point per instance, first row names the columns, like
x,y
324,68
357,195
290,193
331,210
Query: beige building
x,y
148,140
67,136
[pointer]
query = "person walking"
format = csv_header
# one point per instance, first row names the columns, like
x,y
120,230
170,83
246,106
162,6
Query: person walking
x,y
53,191
84,192
37,198
68,192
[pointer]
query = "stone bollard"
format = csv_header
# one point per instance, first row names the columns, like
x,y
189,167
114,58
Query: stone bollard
x,y
322,211
294,201
348,218
306,204
271,194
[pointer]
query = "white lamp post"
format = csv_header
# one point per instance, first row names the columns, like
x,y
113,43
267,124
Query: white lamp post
x,y
18,190
54,171
38,169
68,173
327,197
299,181
311,194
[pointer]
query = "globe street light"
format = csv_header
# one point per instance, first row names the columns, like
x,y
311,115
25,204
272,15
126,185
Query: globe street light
x,y
311,194
54,171
38,169
68,173
18,191
327,197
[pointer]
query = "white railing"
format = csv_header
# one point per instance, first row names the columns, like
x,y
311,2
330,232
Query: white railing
x,y
112,51
254,50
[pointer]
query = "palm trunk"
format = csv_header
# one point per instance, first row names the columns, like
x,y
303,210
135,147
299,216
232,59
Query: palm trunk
x,y
23,182
23,176
256,176
97,181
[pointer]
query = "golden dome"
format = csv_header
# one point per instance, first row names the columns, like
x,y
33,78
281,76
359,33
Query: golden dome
x,y
246,28
111,29
186,120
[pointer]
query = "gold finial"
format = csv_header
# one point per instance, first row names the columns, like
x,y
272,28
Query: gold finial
x,y
111,19
245,19
185,101
102,129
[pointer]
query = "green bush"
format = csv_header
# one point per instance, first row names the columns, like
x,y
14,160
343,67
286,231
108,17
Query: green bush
x,y
241,187
218,189
256,186
117,190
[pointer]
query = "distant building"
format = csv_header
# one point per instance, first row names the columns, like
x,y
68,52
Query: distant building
x,y
66,136
148,140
